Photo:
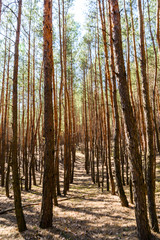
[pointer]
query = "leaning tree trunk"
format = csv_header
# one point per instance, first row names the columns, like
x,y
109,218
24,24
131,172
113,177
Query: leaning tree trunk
x,y
16,186
143,228
47,196
121,192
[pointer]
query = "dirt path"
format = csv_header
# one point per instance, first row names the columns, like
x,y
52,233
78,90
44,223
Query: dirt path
x,y
87,214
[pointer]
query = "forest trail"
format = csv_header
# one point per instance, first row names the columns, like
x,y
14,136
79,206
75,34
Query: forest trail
x,y
86,213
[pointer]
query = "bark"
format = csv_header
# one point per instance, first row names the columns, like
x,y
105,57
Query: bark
x,y
103,23
97,130
150,132
2,130
155,80
8,146
55,142
47,195
86,124
69,138
8,172
121,192
143,228
60,103
33,136
107,79
23,130
104,116
74,125
66,110
128,58
91,119
139,87
26,160
16,184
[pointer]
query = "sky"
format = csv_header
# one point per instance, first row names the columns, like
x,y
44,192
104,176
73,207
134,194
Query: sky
x,y
79,9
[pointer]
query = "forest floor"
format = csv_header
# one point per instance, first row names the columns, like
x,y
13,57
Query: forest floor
x,y
86,213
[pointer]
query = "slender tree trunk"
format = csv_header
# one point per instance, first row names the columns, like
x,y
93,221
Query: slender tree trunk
x,y
26,146
16,185
97,132
60,103
139,87
66,110
128,58
107,79
33,135
8,148
23,126
56,168
104,116
121,192
103,23
8,172
155,81
2,130
69,139
86,125
74,125
91,119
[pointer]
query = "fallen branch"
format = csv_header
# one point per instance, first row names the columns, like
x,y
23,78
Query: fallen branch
x,y
12,209
69,198
34,204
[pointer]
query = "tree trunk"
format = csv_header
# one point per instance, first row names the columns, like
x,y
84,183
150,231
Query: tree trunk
x,y
107,79
121,192
74,125
128,59
47,195
16,186
139,88
151,158
144,232
2,130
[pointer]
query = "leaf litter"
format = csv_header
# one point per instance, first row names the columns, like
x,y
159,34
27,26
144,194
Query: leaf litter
x,y
85,213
